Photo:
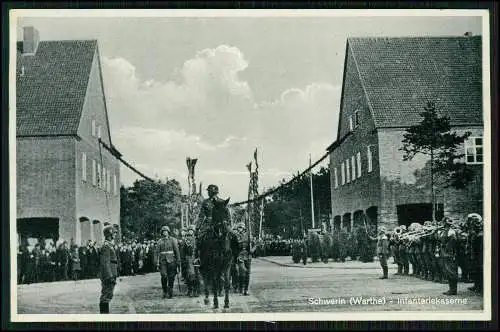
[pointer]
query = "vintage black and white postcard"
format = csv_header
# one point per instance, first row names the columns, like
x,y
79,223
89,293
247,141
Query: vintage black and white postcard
x,y
195,165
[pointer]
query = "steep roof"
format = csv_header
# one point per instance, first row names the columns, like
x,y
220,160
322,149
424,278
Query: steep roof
x,y
52,86
399,75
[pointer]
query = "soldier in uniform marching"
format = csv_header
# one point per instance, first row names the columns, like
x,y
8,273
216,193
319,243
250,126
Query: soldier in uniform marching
x,y
244,259
108,271
167,261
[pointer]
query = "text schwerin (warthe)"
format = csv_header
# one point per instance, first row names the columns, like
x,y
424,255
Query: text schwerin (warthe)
x,y
354,300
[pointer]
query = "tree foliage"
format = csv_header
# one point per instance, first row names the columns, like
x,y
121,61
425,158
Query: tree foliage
x,y
147,206
288,211
433,137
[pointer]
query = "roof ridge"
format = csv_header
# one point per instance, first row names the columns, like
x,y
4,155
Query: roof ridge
x,y
411,37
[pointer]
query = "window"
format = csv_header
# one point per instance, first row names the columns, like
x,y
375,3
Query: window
x,y
342,173
369,156
115,191
84,167
357,118
351,127
93,128
347,171
336,179
99,173
353,168
94,173
358,159
98,131
474,150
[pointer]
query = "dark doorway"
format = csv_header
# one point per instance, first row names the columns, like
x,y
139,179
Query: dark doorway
x,y
410,213
38,228
337,223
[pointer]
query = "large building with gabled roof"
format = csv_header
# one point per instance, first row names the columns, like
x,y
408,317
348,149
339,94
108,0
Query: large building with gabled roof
x,y
386,84
67,169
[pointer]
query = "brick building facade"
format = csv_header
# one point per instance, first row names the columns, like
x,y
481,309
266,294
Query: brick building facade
x,y
386,84
67,170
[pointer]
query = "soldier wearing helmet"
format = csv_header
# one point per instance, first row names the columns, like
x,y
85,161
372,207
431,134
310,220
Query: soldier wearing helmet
x,y
474,224
205,216
167,261
108,269
383,250
449,242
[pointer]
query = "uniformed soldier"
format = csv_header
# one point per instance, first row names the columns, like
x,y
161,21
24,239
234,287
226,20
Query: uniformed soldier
x,y
383,251
474,225
244,258
108,271
167,261
449,240
205,216
403,253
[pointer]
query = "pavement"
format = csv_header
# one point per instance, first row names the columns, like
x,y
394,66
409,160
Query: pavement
x,y
276,285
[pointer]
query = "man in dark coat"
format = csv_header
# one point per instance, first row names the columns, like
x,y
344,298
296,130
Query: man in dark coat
x,y
108,269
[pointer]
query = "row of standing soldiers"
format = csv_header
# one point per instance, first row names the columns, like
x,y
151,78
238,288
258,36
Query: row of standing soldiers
x,y
356,245
436,251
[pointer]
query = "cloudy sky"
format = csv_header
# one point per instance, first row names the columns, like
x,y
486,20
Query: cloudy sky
x,y
217,88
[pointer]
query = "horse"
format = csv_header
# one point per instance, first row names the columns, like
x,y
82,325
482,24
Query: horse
x,y
218,247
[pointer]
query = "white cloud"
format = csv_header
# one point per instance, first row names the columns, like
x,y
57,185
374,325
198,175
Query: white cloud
x,y
209,112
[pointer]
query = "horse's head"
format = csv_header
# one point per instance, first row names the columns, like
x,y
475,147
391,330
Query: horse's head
x,y
220,215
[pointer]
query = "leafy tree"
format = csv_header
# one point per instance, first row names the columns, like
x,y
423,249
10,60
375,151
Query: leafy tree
x,y
147,206
433,137
289,208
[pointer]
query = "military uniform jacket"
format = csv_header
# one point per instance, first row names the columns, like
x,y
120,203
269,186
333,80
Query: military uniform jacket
x,y
449,241
382,245
167,251
108,261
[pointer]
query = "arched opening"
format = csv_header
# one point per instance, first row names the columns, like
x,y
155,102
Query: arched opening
x,y
372,217
358,219
85,230
97,229
346,222
337,223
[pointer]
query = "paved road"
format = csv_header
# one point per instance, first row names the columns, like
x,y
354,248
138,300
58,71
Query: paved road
x,y
277,285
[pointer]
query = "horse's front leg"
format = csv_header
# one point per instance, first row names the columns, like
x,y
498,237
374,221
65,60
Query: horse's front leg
x,y
215,290
205,286
227,286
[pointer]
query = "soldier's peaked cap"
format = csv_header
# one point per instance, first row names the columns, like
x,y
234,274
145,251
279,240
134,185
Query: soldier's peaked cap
x,y
165,228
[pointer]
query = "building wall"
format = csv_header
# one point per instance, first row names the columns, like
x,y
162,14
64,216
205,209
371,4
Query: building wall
x,y
399,185
45,175
96,202
363,192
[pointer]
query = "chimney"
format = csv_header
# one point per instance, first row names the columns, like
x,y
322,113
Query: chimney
x,y
30,40
468,34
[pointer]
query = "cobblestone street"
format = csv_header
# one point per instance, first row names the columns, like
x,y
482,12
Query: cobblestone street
x,y
276,285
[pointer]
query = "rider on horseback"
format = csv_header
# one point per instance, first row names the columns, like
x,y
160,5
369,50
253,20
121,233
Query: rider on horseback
x,y
205,216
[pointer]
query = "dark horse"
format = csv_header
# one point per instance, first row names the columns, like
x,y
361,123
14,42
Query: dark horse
x,y
217,246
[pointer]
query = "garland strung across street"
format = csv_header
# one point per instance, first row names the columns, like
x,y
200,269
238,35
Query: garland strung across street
x,y
252,199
